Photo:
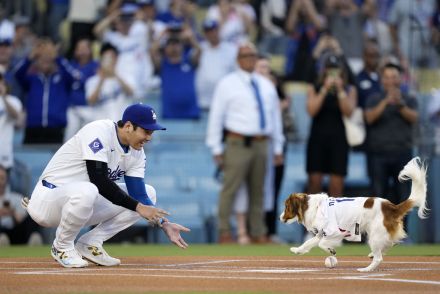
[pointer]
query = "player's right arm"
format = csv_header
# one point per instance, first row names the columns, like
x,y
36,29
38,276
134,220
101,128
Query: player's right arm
x,y
97,171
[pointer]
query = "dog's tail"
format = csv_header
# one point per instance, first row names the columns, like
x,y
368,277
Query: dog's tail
x,y
415,170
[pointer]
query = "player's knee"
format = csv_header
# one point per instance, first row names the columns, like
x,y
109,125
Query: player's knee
x,y
151,192
88,194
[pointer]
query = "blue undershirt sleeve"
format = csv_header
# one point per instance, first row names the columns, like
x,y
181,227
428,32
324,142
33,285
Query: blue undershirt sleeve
x,y
136,189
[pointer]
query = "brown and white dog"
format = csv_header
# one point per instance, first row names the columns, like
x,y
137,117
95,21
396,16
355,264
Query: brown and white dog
x,y
335,219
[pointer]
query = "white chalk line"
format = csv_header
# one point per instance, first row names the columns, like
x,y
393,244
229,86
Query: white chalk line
x,y
267,270
198,263
135,264
201,263
393,280
366,260
373,277
119,269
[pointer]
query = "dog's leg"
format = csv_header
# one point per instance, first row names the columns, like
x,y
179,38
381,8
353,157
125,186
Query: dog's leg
x,y
306,246
377,259
329,245
377,245
384,250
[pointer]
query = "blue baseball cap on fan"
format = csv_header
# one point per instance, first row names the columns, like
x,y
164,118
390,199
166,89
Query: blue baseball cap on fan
x,y
210,24
142,115
128,8
145,2
5,41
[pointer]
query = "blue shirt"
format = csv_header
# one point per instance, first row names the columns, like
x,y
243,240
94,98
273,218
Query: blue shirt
x,y
367,84
179,99
47,96
78,92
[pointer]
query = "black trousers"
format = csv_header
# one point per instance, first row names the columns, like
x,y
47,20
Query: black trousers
x,y
272,216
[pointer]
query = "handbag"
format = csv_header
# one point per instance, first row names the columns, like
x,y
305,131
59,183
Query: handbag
x,y
355,127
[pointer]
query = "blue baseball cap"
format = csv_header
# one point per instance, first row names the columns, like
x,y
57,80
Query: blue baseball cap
x,y
5,41
142,115
209,24
128,9
145,2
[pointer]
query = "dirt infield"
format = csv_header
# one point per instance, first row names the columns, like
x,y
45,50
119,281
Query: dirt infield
x,y
289,274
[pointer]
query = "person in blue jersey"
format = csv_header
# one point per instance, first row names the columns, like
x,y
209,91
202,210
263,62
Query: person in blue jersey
x,y
175,57
47,79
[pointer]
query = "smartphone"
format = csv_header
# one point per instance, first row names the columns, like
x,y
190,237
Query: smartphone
x,y
334,72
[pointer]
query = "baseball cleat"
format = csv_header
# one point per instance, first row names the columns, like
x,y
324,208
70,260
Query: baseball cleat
x,y
96,254
68,258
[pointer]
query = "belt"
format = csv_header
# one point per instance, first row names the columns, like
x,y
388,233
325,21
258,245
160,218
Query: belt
x,y
48,185
250,138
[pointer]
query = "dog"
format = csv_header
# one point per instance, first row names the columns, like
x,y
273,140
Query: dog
x,y
332,220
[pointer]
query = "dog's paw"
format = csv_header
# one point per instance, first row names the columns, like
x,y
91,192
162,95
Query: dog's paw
x,y
365,269
297,250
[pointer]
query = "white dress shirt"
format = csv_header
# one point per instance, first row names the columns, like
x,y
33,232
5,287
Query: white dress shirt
x,y
235,108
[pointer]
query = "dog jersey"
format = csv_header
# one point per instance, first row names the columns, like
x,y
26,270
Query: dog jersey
x,y
97,141
340,216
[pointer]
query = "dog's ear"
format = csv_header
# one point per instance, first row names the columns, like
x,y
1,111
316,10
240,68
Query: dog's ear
x,y
300,205
289,212
296,205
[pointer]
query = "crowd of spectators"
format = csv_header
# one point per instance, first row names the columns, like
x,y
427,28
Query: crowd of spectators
x,y
66,63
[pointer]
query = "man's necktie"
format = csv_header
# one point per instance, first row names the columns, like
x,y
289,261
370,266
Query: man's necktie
x,y
259,102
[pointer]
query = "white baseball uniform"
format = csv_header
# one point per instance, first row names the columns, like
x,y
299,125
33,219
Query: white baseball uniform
x,y
65,197
111,101
338,217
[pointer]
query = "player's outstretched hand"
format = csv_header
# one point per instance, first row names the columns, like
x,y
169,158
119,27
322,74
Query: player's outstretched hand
x,y
172,230
151,213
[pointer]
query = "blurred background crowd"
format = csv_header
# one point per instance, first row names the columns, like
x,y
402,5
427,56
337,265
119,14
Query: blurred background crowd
x,y
65,63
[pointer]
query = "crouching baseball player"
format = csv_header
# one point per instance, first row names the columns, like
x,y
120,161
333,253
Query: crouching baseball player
x,y
78,188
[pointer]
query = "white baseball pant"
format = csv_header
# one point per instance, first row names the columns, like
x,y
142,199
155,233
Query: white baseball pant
x,y
76,205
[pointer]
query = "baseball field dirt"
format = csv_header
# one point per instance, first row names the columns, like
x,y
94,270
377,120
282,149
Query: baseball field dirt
x,y
223,274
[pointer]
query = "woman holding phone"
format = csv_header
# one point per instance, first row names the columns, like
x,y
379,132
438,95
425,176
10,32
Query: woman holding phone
x,y
327,148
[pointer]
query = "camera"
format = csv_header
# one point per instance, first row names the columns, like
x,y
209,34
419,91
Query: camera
x,y
6,204
334,72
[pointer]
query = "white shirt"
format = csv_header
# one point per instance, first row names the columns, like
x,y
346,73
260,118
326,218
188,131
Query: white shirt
x,y
7,131
95,141
133,63
270,9
215,63
235,108
233,28
7,29
111,99
340,217
85,10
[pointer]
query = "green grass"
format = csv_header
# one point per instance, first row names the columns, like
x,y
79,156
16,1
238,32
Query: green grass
x,y
225,250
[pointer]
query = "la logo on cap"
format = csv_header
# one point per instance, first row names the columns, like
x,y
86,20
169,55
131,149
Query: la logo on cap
x,y
154,114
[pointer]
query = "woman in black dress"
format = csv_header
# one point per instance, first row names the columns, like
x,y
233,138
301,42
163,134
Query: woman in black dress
x,y
327,148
